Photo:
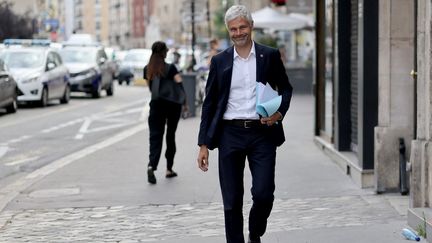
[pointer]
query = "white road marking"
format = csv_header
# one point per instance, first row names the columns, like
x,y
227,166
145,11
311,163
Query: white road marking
x,y
83,128
3,150
22,161
20,139
10,191
115,117
70,123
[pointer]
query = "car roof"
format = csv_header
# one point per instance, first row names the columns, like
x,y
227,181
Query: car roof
x,y
27,45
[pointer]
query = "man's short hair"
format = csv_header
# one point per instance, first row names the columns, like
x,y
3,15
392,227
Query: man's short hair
x,y
236,11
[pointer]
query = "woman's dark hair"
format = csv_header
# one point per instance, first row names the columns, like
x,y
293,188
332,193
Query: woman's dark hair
x,y
156,65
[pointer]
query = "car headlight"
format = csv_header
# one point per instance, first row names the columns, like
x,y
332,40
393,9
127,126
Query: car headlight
x,y
90,73
86,74
30,80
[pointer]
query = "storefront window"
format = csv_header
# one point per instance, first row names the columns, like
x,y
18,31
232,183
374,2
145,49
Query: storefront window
x,y
327,118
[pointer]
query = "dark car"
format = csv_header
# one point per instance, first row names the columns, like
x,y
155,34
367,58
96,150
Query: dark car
x,y
89,69
8,90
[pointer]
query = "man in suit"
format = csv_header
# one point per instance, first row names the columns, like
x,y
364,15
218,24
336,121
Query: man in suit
x,y
230,123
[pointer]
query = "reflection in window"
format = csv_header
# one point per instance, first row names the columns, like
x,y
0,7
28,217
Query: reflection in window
x,y
328,89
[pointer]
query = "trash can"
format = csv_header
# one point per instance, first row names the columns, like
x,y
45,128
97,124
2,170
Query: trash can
x,y
189,84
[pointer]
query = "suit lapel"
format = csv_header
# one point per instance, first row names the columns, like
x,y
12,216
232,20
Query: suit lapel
x,y
227,70
259,63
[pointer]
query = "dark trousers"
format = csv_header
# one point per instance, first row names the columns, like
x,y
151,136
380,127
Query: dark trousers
x,y
257,146
163,113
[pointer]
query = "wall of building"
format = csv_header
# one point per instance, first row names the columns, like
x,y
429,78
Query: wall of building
x,y
421,150
396,90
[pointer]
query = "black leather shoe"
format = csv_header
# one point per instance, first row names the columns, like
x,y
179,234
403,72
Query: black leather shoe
x,y
150,176
254,240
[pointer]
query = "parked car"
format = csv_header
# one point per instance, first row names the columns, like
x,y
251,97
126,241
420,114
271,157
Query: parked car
x,y
8,90
38,70
132,65
90,70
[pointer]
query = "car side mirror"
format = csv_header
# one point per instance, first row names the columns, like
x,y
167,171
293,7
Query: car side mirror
x,y
50,66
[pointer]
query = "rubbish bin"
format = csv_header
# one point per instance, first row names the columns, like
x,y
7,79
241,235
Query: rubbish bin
x,y
189,84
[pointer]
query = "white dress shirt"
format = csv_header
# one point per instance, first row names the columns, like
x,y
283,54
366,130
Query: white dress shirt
x,y
242,97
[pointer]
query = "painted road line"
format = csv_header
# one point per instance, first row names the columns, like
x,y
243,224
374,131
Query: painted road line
x,y
20,139
67,124
3,150
84,127
9,192
22,161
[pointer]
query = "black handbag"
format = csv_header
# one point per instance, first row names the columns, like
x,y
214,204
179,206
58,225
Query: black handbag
x,y
167,89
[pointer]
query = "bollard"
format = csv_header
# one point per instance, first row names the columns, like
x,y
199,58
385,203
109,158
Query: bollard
x,y
403,181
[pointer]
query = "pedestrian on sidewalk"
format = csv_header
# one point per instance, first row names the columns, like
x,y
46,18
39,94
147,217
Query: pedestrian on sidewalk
x,y
229,122
168,96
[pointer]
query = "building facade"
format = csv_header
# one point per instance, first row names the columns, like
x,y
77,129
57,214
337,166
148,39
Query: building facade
x,y
373,95
92,17
346,84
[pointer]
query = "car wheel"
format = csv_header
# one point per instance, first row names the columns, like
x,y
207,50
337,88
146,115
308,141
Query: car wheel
x,y
96,93
44,97
110,90
12,107
66,95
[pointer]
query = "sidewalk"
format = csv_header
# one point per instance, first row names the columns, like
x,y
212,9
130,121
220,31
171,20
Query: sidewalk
x,y
105,197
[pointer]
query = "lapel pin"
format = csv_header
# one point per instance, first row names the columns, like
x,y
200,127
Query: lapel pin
x,y
261,55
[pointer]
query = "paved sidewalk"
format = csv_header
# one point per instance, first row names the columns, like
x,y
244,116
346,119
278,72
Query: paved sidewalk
x,y
104,197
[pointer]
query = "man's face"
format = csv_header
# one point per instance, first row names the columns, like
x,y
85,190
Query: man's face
x,y
240,31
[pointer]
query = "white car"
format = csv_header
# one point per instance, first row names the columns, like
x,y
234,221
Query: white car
x,y
38,70
132,65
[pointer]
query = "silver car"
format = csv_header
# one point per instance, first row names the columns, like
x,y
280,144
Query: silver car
x,y
89,68
38,71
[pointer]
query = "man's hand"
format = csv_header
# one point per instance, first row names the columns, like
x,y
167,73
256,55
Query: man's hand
x,y
272,119
203,158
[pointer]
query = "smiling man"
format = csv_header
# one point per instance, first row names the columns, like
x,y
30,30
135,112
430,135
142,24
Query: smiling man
x,y
229,122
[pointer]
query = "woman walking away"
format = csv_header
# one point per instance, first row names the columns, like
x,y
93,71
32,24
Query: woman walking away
x,y
168,96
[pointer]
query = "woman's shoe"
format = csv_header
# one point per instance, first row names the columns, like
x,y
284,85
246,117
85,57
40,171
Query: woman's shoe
x,y
170,174
150,176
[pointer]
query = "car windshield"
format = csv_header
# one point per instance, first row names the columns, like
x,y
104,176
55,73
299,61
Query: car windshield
x,y
137,57
23,59
78,56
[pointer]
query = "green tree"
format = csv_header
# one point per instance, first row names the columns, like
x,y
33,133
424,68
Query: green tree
x,y
219,21
13,25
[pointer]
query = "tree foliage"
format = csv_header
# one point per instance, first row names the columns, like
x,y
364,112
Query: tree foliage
x,y
219,21
13,25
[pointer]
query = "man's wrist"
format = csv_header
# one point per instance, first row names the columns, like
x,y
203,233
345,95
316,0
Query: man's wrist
x,y
281,116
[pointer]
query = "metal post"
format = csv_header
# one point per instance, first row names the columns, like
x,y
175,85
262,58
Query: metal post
x,y
208,19
193,30
403,186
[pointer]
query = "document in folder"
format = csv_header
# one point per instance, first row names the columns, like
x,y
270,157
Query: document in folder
x,y
268,100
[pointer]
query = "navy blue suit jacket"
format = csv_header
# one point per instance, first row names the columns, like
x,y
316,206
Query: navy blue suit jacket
x,y
269,68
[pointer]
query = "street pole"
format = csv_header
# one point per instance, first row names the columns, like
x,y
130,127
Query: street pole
x,y
193,31
208,19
